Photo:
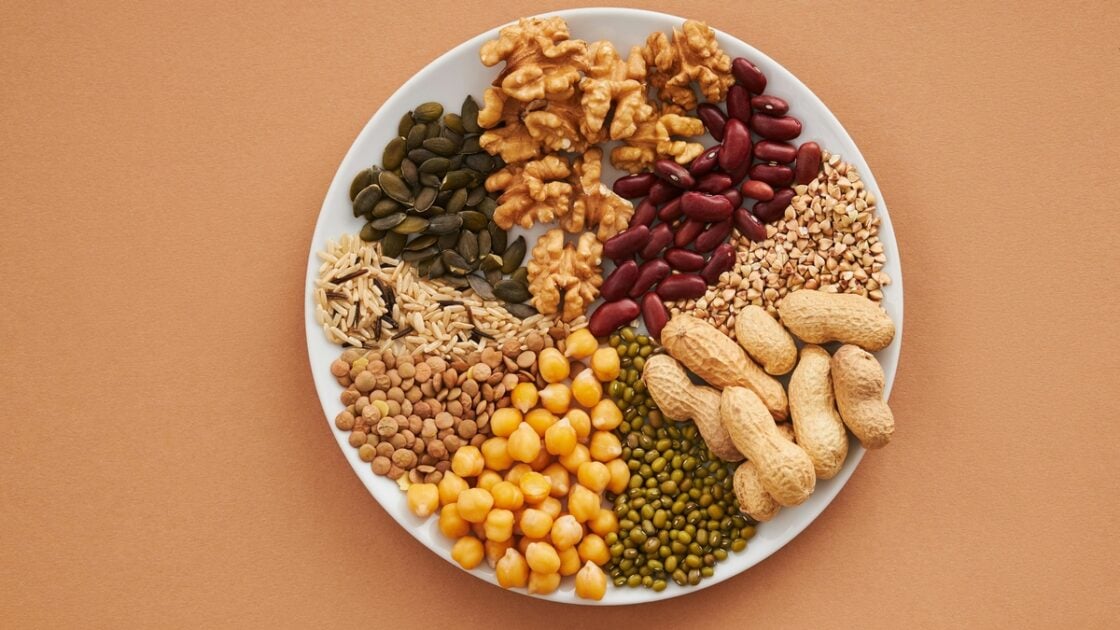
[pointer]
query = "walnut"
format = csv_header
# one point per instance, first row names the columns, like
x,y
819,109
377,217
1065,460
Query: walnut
x,y
692,55
532,191
542,61
528,133
654,140
563,273
596,206
610,81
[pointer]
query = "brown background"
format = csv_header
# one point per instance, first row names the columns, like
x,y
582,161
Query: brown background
x,y
164,457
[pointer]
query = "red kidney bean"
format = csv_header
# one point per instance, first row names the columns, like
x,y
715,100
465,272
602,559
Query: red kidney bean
x,y
610,316
723,258
671,211
749,226
687,232
659,239
713,183
674,173
739,103
704,164
682,286
682,260
654,314
649,274
618,284
713,118
733,196
749,75
776,128
772,210
634,186
662,191
713,236
808,163
757,190
626,243
771,151
770,105
644,214
740,172
774,174
736,145
704,207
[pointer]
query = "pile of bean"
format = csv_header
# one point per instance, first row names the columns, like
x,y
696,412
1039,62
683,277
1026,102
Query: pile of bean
x,y
427,204
680,229
680,515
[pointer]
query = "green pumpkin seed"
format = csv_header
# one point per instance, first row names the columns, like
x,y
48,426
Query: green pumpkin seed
x,y
440,146
468,246
411,225
424,267
511,291
487,206
389,222
454,122
409,174
420,242
430,180
491,262
511,260
366,200
432,131
456,264
475,196
493,276
498,238
393,154
481,287
521,276
457,200
394,186
438,269
456,179
456,163
484,243
453,136
521,311
405,125
448,241
421,254
392,244
385,207
364,178
456,282
424,199
428,112
481,162
436,211
445,224
420,155
471,145
474,221
444,197
370,234
436,165
415,136
468,114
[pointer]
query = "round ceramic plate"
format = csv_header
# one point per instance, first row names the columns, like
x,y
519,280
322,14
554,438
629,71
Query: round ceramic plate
x,y
448,80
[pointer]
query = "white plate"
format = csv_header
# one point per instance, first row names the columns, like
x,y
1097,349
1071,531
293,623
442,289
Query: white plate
x,y
448,80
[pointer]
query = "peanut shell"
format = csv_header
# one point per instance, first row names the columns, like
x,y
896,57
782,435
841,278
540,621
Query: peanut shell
x,y
765,340
821,317
679,399
784,469
816,423
858,381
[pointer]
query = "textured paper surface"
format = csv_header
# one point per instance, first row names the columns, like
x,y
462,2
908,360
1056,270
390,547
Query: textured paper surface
x,y
164,457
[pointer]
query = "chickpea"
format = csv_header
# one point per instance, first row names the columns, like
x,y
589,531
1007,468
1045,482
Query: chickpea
x,y
451,524
474,504
468,552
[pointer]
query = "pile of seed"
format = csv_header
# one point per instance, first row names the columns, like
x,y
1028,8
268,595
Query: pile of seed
x,y
828,239
680,515
409,414
366,300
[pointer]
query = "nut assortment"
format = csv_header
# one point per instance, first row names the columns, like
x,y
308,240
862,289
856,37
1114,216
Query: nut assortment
x,y
499,380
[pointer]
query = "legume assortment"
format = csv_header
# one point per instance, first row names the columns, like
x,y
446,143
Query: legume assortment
x,y
515,402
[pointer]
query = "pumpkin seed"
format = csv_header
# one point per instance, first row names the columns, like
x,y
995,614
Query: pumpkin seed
x,y
511,291
481,287
491,262
385,207
445,224
432,131
452,135
424,267
521,311
456,163
471,145
473,221
481,162
484,243
431,180
420,242
438,269
420,155
456,264
364,178
392,244
511,260
421,254
456,282
493,276
389,222
409,173
364,202
475,196
405,125
444,197
454,122
447,241
520,275
425,199
393,154
436,211
468,115
411,225
394,186
415,136
498,238
457,200
370,234
455,179
468,246
440,146
487,206
428,112
436,165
